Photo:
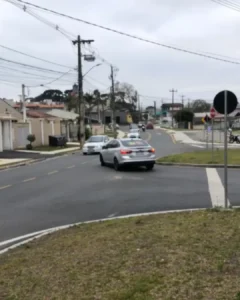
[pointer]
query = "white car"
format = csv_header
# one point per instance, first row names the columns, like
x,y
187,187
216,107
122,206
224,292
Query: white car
x,y
134,134
94,144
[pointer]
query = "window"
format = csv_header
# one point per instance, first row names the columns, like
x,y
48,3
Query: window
x,y
135,143
95,139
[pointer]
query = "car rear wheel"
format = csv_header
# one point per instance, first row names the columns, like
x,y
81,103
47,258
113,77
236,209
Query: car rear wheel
x,y
102,161
116,164
149,167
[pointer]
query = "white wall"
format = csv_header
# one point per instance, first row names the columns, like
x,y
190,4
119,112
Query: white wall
x,y
1,137
7,135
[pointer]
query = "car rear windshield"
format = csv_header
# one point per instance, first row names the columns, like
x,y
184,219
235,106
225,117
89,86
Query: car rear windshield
x,y
134,143
95,139
133,130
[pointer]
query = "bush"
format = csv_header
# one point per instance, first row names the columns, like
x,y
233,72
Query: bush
x,y
31,138
29,146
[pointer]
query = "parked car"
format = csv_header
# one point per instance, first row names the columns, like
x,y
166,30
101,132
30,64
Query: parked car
x,y
123,152
94,144
134,133
149,126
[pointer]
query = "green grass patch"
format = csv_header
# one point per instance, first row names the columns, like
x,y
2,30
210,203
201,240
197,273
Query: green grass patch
x,y
203,157
180,256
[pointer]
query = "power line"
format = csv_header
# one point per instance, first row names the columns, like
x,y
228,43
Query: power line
x,y
24,72
68,35
130,35
228,4
41,59
30,66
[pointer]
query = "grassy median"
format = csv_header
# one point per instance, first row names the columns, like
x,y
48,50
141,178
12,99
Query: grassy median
x,y
203,157
180,256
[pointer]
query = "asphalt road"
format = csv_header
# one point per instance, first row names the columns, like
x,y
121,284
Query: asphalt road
x,y
76,188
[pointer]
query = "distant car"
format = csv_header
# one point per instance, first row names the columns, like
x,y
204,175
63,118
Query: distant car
x,y
94,144
134,133
140,125
123,152
149,126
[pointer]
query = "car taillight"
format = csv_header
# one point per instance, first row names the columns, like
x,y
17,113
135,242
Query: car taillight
x,y
152,150
124,152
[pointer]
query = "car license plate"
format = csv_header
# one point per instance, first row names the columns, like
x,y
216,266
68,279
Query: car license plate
x,y
90,149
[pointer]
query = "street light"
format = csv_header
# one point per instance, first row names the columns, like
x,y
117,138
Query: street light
x,y
91,69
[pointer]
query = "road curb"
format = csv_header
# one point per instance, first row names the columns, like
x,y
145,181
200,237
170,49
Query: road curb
x,y
21,164
32,161
31,237
196,165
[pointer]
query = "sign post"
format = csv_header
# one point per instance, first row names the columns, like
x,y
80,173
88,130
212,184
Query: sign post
x,y
212,114
207,120
225,103
225,153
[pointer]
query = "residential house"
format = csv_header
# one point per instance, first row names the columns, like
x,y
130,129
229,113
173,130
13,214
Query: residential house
x,y
150,110
123,117
39,106
12,129
170,109
42,125
69,123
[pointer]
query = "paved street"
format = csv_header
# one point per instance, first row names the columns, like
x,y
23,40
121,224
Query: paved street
x,y
76,188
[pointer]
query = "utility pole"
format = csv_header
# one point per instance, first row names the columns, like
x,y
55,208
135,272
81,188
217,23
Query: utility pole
x,y
155,109
138,103
113,101
23,103
172,91
81,102
182,101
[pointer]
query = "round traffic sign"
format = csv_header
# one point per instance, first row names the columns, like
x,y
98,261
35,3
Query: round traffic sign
x,y
212,113
218,102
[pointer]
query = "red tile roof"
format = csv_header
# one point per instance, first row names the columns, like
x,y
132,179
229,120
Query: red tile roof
x,y
38,114
39,105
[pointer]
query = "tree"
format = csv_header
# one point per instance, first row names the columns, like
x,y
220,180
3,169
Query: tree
x,y
200,106
54,95
31,138
184,115
126,92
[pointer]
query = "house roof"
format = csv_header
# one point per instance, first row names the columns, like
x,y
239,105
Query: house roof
x,y
40,105
8,109
63,114
38,114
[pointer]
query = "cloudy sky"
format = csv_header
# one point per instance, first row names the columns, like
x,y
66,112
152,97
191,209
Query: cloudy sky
x,y
197,25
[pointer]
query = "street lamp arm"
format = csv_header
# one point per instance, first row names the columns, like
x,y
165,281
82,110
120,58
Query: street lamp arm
x,y
91,69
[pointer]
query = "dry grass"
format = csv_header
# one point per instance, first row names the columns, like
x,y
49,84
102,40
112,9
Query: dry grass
x,y
204,157
176,256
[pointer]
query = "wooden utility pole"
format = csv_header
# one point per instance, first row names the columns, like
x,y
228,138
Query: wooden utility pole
x,y
81,102
113,101
182,101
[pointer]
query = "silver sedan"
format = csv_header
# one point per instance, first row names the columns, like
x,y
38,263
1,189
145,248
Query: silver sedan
x,y
123,152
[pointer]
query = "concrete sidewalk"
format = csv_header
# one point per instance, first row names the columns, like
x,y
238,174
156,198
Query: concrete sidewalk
x,y
9,162
183,138
52,152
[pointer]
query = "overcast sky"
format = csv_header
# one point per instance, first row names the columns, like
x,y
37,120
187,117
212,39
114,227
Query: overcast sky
x,y
199,25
